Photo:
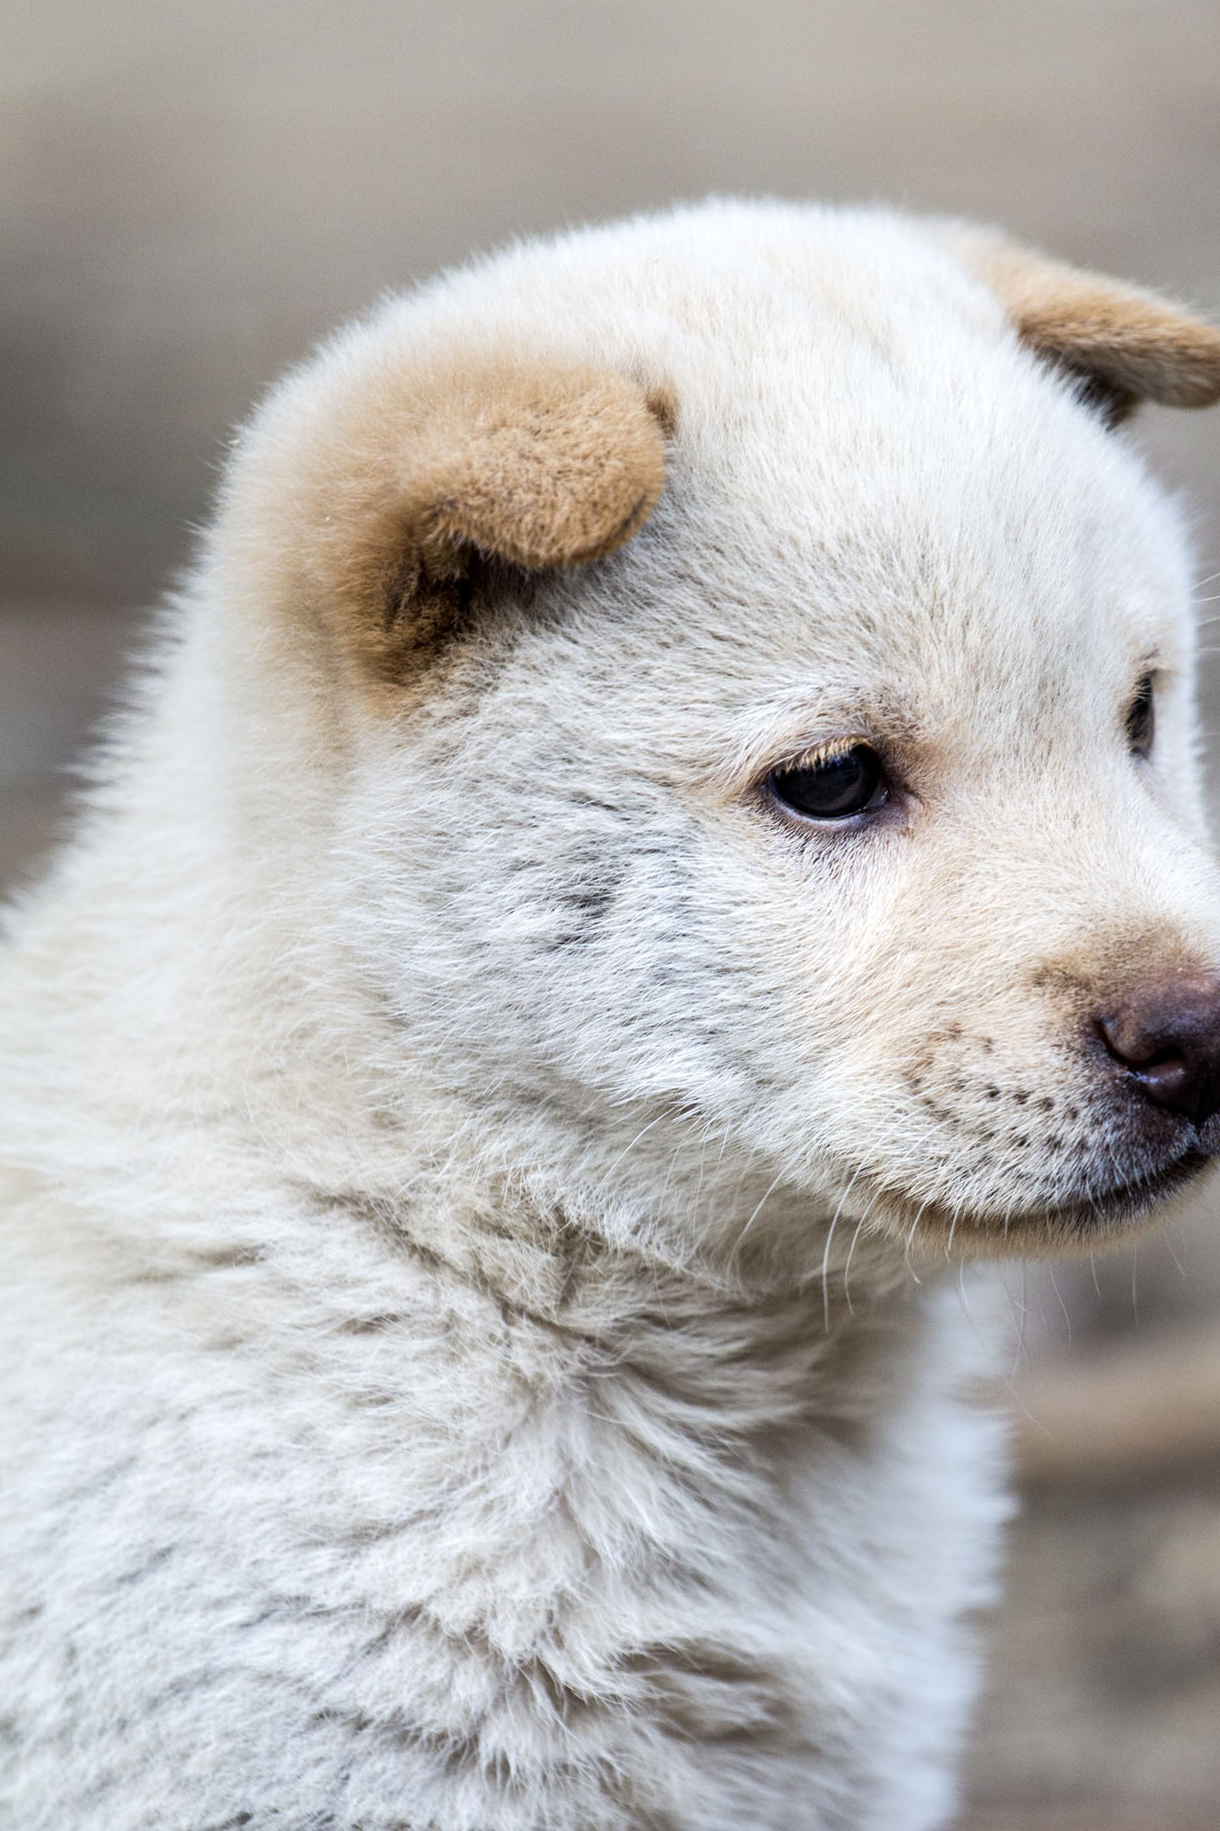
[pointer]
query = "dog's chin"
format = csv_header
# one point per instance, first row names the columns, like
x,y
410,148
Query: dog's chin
x,y
1072,1221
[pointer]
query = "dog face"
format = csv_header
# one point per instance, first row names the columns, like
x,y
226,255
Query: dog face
x,y
759,687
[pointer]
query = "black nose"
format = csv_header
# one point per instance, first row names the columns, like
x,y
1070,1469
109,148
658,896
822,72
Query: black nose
x,y
1168,1040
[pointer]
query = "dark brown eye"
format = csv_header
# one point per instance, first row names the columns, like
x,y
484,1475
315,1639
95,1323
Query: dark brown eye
x,y
1141,719
844,784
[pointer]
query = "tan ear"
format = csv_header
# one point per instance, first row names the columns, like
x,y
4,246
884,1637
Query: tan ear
x,y
412,482
1126,344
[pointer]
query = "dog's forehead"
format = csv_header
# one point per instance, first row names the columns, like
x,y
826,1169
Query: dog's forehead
x,y
915,499
868,463
872,480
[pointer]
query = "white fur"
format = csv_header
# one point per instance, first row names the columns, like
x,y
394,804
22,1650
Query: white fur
x,y
472,1362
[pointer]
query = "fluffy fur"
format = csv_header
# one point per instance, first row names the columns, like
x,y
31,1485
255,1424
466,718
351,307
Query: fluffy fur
x,y
483,1181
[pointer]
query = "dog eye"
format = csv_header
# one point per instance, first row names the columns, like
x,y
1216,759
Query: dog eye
x,y
1141,719
844,784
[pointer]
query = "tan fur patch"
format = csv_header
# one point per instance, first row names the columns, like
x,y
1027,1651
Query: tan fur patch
x,y
413,482
1130,344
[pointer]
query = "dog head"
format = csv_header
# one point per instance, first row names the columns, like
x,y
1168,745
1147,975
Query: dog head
x,y
750,686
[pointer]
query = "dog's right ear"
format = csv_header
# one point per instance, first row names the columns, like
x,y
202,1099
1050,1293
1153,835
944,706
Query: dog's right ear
x,y
386,493
1125,344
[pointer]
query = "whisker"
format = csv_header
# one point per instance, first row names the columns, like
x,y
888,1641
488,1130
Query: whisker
x,y
952,1230
1172,1250
906,1251
1021,1354
770,1191
847,1262
1067,1316
628,1148
834,1221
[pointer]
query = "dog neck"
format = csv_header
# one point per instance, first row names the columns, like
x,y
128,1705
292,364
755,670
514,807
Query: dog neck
x,y
731,1356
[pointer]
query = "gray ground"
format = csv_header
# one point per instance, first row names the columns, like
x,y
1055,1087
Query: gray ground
x,y
191,195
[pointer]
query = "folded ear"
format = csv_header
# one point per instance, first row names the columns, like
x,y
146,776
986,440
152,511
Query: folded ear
x,y
1125,344
392,488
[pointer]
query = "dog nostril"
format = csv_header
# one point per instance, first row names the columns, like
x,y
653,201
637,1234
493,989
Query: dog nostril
x,y
1164,1076
1134,1047
1168,1042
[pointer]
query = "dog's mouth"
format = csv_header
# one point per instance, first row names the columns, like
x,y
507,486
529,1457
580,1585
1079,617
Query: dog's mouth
x,y
1125,1203
1127,1200
1076,1219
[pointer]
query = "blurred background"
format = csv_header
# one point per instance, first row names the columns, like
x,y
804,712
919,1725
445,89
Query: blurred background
x,y
191,195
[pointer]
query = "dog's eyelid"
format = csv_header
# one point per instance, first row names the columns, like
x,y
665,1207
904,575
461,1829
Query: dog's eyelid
x,y
825,750
813,722
814,753
1140,718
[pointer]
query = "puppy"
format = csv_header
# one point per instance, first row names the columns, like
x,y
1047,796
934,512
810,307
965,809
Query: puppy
x,y
666,818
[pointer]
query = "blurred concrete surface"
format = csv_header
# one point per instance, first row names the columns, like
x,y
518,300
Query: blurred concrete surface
x,y
190,197
60,672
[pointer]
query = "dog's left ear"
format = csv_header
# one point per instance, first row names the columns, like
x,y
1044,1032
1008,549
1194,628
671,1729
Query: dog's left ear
x,y
375,497
1125,344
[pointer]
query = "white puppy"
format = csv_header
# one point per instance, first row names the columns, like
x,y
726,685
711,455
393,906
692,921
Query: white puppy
x,y
667,816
